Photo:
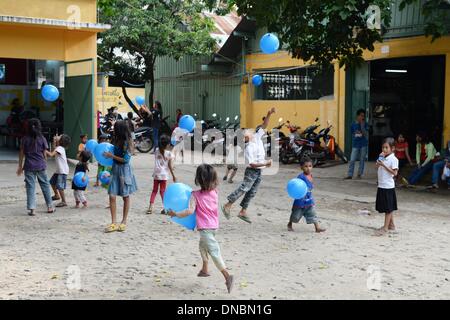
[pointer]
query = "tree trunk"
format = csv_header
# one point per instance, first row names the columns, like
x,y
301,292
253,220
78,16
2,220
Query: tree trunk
x,y
151,70
130,103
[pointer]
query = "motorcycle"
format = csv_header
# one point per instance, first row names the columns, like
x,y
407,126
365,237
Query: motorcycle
x,y
143,136
321,147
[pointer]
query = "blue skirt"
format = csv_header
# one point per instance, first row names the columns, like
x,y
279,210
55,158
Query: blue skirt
x,y
123,182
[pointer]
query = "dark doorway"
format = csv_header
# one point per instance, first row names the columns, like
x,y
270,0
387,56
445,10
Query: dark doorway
x,y
406,96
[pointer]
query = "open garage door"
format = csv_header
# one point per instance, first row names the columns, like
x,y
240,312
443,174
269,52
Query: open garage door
x,y
79,98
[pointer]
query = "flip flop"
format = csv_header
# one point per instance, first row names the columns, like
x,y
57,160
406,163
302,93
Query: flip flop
x,y
226,212
54,198
53,210
245,218
111,228
203,274
149,211
31,213
229,283
122,227
61,205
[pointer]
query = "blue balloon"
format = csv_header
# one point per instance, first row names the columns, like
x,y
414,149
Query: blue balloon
x,y
81,179
176,197
100,150
187,123
188,222
257,80
269,43
140,100
105,177
297,188
91,145
49,92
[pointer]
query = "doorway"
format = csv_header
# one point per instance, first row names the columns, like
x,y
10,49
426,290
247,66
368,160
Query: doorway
x,y
406,96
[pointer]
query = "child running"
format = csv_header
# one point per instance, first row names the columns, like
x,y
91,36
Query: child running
x,y
386,202
59,179
205,202
82,166
123,182
305,207
163,164
32,149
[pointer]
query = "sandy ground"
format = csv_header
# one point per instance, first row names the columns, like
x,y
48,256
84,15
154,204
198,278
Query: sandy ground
x,y
156,259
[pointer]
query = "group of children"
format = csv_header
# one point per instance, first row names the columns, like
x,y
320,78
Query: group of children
x,y
204,201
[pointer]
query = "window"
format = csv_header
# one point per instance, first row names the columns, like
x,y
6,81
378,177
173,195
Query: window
x,y
305,83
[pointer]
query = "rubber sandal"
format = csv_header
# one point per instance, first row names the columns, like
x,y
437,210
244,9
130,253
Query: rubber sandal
x,y
226,212
229,283
55,198
149,211
203,274
111,228
31,213
122,227
245,218
61,205
53,210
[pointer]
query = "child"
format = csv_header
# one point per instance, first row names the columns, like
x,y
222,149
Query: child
x,y
386,203
402,154
82,166
230,168
123,182
205,202
255,158
163,164
100,168
33,147
59,178
82,145
305,207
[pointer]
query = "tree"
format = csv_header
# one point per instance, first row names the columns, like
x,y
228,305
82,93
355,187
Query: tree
x,y
322,31
143,30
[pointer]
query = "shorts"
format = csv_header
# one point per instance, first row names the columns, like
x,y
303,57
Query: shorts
x,y
59,181
309,213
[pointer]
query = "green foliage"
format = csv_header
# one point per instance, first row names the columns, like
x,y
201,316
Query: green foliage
x,y
145,29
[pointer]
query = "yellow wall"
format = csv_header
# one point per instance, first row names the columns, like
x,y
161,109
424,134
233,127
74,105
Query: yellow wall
x,y
303,112
112,96
51,9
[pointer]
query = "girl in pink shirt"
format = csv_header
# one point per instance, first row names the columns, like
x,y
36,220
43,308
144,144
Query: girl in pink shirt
x,y
205,202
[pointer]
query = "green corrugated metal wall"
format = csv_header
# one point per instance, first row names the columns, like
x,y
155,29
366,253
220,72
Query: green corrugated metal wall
x,y
408,22
181,84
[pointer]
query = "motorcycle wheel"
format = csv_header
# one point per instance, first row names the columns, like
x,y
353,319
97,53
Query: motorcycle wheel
x,y
144,145
341,154
306,153
284,158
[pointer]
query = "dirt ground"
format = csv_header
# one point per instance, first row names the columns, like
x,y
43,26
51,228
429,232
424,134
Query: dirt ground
x,y
155,259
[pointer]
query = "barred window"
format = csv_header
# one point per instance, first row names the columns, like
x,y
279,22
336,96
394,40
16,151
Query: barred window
x,y
303,83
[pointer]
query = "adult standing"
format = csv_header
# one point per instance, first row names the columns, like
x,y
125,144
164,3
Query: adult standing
x,y
360,141
156,112
255,158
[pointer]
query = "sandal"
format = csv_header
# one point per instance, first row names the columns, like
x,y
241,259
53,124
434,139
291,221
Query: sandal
x,y
55,198
111,228
122,227
226,212
245,218
149,210
61,205
229,283
51,210
31,213
203,274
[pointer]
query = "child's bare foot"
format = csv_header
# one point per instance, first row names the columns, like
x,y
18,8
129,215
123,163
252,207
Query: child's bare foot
x,y
380,232
203,274
289,227
319,230
85,205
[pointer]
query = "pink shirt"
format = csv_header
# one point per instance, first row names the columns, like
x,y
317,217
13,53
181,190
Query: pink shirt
x,y
206,208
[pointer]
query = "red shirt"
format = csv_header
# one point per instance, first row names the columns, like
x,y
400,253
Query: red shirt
x,y
400,150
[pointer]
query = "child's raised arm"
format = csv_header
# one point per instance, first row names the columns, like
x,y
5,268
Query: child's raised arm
x,y
186,212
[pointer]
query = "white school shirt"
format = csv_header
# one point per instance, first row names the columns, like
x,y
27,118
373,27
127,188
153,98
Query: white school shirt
x,y
254,150
61,161
385,178
161,170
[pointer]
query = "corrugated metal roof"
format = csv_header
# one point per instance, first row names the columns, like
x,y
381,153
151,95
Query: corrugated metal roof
x,y
224,26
